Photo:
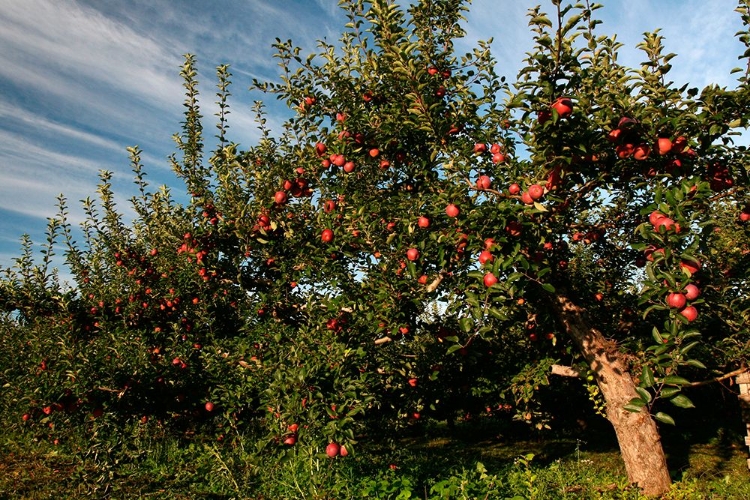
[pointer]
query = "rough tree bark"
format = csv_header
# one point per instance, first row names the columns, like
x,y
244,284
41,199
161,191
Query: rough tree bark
x,y
637,434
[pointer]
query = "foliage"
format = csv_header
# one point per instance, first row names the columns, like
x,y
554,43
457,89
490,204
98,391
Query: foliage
x,y
395,253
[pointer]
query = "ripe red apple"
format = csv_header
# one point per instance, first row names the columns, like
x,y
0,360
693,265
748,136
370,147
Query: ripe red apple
x,y
692,292
290,440
326,236
489,280
745,214
655,216
679,144
485,256
690,312
488,243
480,148
338,160
423,222
412,254
374,152
484,182
676,300
329,206
663,145
625,150
293,427
209,406
641,151
280,197
320,149
422,280
343,451
563,106
536,191
413,382
514,189
690,266
349,167
667,223
526,198
332,450
452,210
498,158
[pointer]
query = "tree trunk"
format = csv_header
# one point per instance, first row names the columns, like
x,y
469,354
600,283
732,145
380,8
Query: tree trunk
x,y
637,434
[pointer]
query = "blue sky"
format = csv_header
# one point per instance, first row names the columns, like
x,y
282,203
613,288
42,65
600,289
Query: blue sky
x,y
80,80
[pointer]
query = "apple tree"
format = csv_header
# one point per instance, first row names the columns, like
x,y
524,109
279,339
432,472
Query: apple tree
x,y
578,205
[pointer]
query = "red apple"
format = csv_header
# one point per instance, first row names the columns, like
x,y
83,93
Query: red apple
x,y
690,266
489,279
412,254
480,148
343,451
326,236
452,210
745,215
209,406
514,189
374,152
679,144
498,158
692,292
485,256
332,450
676,300
320,149
329,206
349,167
484,182
280,197
423,222
690,312
536,191
655,216
290,440
488,243
641,151
413,382
563,106
526,198
663,145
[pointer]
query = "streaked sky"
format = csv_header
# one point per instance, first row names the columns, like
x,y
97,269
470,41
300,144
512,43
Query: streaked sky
x,y
80,80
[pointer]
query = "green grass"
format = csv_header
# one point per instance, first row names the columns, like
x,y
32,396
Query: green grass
x,y
430,462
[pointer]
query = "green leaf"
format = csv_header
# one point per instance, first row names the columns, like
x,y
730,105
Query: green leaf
x,y
675,380
548,287
644,394
647,377
664,418
635,405
682,401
